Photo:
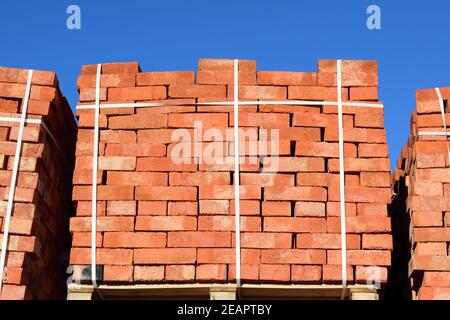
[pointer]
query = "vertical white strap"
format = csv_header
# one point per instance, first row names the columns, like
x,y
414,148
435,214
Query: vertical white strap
x,y
94,180
12,187
441,105
342,181
236,174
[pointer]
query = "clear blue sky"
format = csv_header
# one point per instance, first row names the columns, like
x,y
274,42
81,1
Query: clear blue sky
x,y
412,48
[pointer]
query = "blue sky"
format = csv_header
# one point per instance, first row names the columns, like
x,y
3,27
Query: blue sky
x,y
412,47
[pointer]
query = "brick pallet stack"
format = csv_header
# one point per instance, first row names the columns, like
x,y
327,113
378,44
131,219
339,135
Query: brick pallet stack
x,y
421,182
37,252
166,199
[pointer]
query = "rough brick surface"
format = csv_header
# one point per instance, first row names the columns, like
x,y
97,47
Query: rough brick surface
x,y
167,202
38,243
420,207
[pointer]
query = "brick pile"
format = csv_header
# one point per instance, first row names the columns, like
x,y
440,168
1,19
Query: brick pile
x,y
37,254
421,184
161,221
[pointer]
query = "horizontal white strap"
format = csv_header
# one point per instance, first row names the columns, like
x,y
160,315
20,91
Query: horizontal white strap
x,y
231,103
12,119
434,133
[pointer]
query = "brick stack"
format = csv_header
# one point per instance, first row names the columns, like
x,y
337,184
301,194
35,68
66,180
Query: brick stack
x,y
163,217
37,253
422,185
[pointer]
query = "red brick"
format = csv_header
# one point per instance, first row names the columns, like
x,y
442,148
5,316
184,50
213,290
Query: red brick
x,y
225,255
107,81
180,273
112,68
281,78
148,273
135,150
152,208
372,274
431,234
117,163
306,274
312,93
309,209
436,279
361,257
161,223
360,224
377,241
137,93
198,178
226,192
293,256
291,224
148,121
260,92
372,150
365,93
104,256
211,272
182,208
375,179
296,193
83,224
165,78
275,208
137,178
163,164
134,240
165,256
225,77
275,272
118,273
198,239
431,248
266,240
333,273
226,223
293,164
166,193
197,91
326,241
104,193
427,219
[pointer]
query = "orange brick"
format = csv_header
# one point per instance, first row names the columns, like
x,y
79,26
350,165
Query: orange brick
x,y
166,193
134,240
137,93
291,224
312,93
137,178
197,91
293,256
165,78
326,241
364,93
180,273
198,239
275,272
281,78
306,274
118,273
148,273
266,240
211,272
168,223
377,241
275,208
165,256
296,193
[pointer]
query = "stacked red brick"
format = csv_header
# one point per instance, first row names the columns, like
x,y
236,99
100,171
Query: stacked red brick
x,y
423,171
38,233
159,221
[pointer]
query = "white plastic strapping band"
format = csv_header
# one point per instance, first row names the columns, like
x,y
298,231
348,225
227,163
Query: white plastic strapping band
x,y
441,105
236,174
342,181
231,103
94,180
12,187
